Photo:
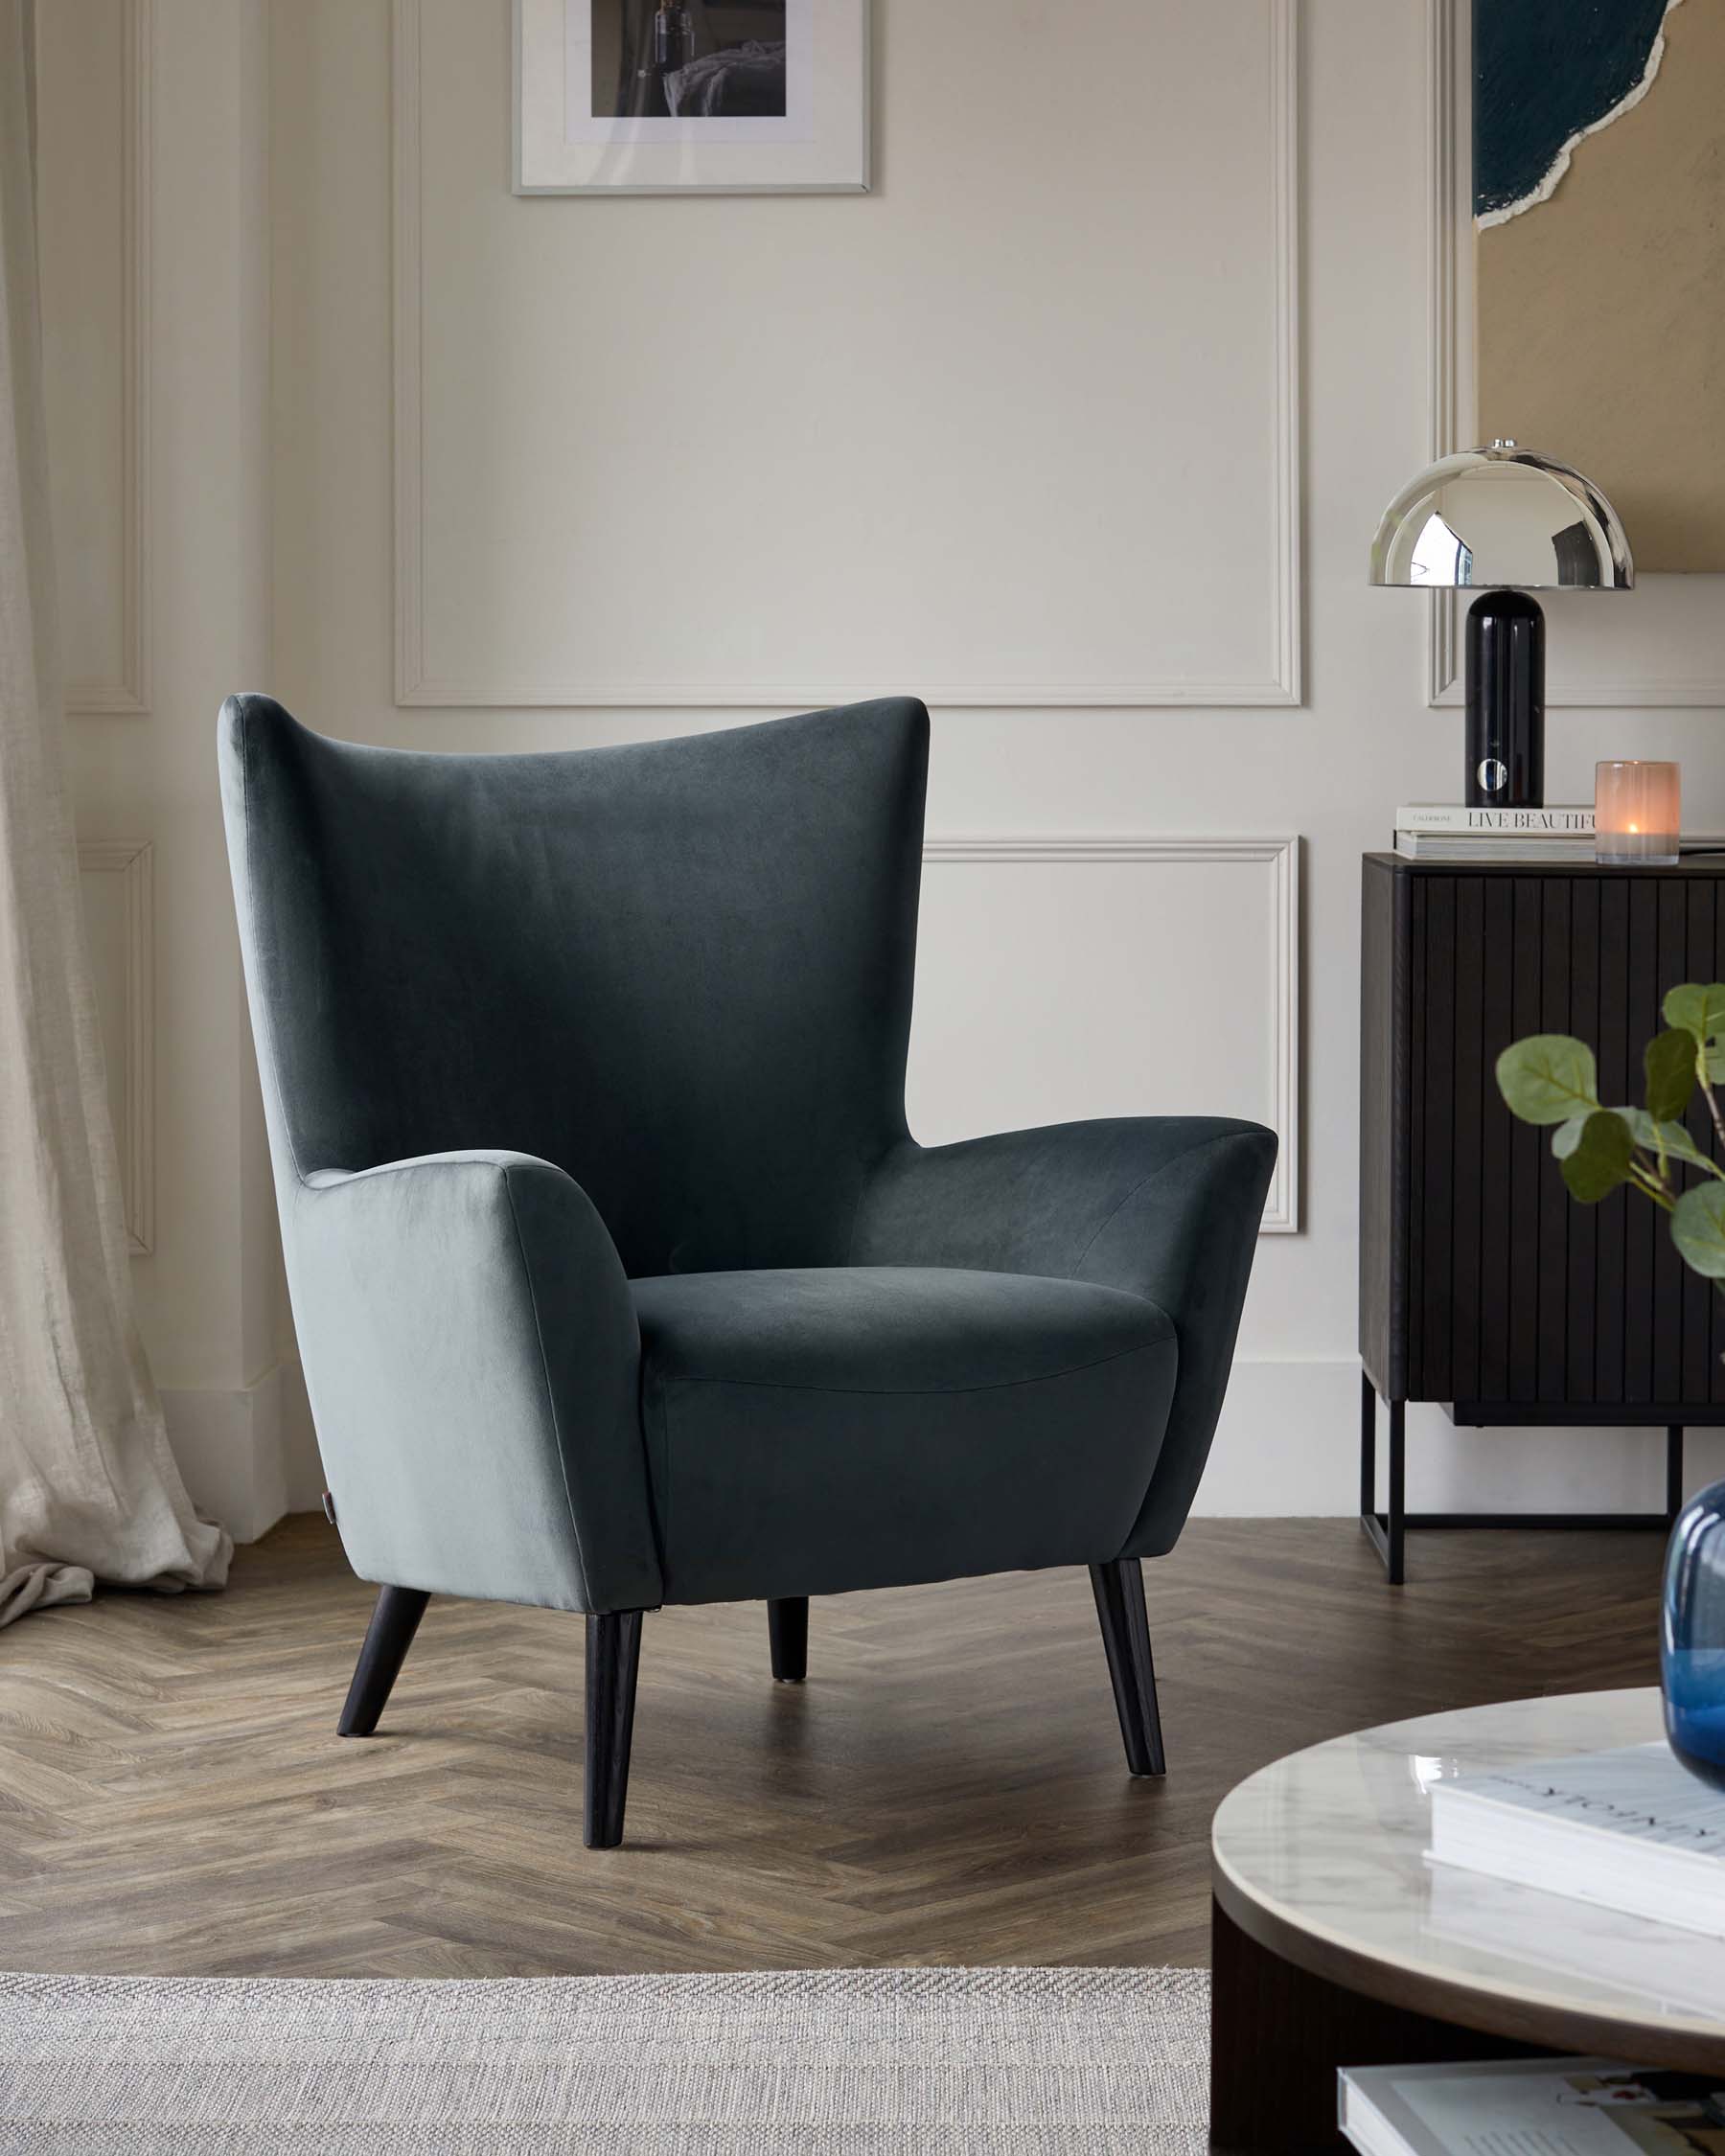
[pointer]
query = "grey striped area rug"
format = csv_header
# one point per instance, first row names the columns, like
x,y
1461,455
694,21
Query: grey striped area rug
x,y
893,2060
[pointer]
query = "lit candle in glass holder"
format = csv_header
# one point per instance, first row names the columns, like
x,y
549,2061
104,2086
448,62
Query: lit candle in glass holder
x,y
1638,810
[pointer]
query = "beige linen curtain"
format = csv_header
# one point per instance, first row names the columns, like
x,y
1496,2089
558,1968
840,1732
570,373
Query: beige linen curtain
x,y
88,1489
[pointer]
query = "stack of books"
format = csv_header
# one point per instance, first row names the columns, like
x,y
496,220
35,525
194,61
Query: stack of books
x,y
1628,1829
1563,831
1445,831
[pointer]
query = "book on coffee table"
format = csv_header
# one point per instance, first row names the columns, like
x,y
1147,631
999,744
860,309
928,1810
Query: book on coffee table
x,y
1529,2107
1629,1829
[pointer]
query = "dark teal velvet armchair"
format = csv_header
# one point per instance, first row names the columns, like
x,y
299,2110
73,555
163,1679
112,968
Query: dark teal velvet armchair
x,y
618,1278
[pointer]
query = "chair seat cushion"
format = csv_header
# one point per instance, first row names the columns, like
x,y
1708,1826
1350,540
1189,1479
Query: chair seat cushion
x,y
815,1430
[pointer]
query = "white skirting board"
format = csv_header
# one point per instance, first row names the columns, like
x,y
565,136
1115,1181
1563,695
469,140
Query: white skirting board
x,y
1289,1444
246,1452
227,1443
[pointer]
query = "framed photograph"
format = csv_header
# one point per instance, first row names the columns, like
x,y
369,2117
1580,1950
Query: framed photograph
x,y
679,97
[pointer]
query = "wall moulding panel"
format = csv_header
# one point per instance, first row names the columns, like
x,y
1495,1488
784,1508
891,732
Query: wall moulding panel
x,y
119,917
1024,1014
954,417
96,287
1613,651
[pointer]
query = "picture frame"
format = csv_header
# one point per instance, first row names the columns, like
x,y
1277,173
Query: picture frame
x,y
691,97
1595,189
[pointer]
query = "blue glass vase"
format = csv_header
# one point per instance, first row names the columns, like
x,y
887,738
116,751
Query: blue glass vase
x,y
1692,1636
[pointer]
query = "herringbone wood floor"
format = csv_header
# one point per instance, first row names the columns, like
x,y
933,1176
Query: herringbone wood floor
x,y
947,1787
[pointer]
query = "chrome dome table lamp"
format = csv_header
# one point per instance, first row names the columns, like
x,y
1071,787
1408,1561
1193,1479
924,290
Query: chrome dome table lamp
x,y
1514,523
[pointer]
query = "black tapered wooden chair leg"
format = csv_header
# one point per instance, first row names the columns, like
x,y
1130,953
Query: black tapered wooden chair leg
x,y
613,1658
388,1639
788,1636
1119,1591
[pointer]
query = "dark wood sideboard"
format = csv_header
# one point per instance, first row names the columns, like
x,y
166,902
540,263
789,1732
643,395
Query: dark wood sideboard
x,y
1482,1285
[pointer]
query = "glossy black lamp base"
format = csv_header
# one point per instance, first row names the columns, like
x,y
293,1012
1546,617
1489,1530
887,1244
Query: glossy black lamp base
x,y
1506,702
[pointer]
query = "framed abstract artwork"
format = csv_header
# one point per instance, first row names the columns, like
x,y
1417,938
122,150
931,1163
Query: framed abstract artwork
x,y
1598,253
675,96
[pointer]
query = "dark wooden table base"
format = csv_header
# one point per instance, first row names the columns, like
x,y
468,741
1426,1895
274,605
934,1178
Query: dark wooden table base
x,y
1279,2033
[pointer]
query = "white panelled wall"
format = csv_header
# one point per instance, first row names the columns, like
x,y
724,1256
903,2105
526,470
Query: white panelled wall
x,y
1078,426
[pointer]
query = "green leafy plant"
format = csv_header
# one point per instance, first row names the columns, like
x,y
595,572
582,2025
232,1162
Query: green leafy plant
x,y
1552,1078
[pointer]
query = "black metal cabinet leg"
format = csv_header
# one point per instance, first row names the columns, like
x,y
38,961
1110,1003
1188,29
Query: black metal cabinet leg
x,y
614,1657
1119,1591
388,1639
1386,1532
788,1636
1398,1508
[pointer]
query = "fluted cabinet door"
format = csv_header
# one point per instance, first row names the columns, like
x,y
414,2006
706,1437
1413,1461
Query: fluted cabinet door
x,y
1482,1283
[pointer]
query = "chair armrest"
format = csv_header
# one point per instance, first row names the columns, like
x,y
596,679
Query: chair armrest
x,y
1166,1207
472,1362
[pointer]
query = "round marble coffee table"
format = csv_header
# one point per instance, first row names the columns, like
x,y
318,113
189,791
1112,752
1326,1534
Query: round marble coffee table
x,y
1334,1942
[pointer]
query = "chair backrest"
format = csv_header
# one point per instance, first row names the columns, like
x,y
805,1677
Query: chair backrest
x,y
681,970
